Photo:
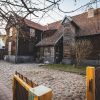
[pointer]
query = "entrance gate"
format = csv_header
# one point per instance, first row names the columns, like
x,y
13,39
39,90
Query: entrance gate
x,y
93,83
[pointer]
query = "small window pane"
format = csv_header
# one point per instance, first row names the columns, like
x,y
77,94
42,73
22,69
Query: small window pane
x,y
32,32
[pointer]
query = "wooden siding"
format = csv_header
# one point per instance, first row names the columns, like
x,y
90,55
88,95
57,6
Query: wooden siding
x,y
68,41
26,42
46,53
95,40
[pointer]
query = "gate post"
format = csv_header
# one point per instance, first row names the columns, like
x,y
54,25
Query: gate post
x,y
90,83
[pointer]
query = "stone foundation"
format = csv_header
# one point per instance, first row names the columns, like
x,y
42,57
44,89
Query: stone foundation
x,y
66,61
90,62
50,60
83,62
18,59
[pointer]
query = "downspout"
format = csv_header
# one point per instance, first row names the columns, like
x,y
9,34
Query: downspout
x,y
55,53
17,43
42,47
63,45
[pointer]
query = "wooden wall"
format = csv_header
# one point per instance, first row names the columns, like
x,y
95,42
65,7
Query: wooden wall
x,y
26,43
68,40
95,41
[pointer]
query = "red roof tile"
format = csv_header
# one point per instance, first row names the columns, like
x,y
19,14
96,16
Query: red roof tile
x,y
50,41
88,26
34,25
53,26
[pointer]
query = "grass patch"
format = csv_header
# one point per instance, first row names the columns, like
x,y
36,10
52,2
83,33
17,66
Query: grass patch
x,y
67,68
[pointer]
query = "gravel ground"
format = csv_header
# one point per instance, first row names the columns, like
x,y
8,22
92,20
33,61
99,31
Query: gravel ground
x,y
65,86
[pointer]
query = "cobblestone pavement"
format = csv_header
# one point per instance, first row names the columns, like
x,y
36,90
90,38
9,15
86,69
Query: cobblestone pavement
x,y
65,86
5,93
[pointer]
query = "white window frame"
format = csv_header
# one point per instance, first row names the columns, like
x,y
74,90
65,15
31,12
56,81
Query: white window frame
x,y
32,32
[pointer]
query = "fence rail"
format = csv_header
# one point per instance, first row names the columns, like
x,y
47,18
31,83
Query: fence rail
x,y
25,89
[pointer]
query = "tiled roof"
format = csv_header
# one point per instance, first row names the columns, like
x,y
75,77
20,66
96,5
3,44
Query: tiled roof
x,y
88,26
50,41
53,26
29,23
34,25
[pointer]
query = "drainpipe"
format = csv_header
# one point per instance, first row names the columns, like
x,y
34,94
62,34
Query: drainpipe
x,y
63,45
17,43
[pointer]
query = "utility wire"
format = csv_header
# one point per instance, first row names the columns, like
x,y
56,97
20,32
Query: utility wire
x,y
47,13
77,8
52,9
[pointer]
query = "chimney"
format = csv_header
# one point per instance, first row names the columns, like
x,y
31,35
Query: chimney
x,y
90,12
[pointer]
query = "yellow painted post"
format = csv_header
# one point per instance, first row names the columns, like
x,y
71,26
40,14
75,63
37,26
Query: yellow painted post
x,y
90,83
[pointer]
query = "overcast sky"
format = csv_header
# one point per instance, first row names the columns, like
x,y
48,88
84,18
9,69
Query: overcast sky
x,y
66,5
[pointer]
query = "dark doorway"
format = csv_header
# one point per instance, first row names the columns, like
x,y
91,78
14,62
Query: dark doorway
x,y
59,51
1,54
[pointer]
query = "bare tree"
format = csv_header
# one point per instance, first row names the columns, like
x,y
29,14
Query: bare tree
x,y
81,50
27,7
24,8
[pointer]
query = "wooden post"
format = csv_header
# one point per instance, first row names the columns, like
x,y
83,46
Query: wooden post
x,y
90,83
34,93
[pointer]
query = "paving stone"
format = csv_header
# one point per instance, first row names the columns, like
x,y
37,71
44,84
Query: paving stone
x,y
5,93
65,86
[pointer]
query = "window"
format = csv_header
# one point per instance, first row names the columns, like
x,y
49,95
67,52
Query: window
x,y
52,51
47,51
11,31
32,32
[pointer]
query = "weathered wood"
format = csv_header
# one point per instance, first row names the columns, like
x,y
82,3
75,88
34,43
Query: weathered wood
x,y
69,40
25,39
97,84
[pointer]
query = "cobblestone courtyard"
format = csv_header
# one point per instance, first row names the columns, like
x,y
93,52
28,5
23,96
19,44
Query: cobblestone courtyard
x,y
65,86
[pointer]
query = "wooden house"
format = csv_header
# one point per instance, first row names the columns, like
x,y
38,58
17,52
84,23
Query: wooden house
x,y
83,26
50,48
23,35
29,41
57,42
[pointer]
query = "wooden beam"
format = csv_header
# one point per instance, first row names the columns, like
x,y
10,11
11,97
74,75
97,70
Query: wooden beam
x,y
90,83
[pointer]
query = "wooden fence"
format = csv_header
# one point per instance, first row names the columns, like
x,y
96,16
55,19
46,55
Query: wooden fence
x,y
25,89
93,83
90,83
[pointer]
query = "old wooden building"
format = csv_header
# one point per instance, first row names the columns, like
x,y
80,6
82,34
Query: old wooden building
x,y
23,35
50,48
56,45
83,26
52,43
